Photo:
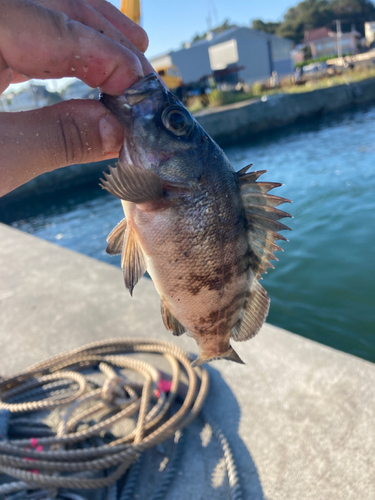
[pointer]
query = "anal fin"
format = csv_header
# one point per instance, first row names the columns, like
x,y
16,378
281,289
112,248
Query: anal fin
x,y
170,322
131,183
133,261
253,315
116,238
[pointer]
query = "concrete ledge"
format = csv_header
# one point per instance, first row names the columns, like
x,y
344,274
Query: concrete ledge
x,y
299,415
233,123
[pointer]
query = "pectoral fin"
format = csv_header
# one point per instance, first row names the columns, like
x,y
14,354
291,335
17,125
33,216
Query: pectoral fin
x,y
253,314
131,183
170,322
133,261
116,238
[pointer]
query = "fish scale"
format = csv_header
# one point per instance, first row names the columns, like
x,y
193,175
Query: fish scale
x,y
204,233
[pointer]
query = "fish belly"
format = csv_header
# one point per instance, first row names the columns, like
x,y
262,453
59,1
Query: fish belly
x,y
198,264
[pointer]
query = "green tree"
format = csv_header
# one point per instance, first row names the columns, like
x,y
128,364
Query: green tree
x,y
310,14
353,12
304,16
226,25
258,24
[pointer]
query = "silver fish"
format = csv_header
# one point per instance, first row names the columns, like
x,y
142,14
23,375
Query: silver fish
x,y
203,232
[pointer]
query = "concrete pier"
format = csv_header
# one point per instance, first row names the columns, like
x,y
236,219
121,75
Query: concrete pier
x,y
238,122
299,416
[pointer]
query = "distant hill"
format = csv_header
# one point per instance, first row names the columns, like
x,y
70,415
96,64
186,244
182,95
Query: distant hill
x,y
311,14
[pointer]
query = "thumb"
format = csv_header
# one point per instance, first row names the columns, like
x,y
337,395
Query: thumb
x,y
42,140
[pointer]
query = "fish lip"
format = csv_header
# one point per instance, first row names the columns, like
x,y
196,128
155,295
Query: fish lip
x,y
143,88
121,106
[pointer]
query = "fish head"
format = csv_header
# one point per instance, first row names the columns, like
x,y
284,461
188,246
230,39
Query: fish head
x,y
160,133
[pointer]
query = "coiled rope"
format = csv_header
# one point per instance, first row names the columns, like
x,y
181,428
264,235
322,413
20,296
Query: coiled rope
x,y
82,452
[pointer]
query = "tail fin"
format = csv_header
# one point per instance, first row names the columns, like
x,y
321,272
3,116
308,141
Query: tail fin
x,y
230,354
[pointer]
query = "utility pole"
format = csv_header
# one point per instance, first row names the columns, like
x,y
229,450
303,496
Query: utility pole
x,y
338,37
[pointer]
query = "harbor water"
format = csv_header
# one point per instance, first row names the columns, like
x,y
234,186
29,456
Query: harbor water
x,y
323,285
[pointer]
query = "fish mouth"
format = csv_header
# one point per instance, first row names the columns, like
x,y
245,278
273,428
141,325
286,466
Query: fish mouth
x,y
142,89
121,106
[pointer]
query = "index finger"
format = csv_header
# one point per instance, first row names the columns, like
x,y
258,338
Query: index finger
x,y
54,46
133,32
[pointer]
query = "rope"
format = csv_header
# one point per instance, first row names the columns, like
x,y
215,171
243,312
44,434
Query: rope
x,y
234,483
172,467
83,446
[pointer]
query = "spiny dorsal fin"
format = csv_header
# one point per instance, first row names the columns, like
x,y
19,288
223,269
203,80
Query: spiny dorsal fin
x,y
257,187
262,217
244,169
271,213
116,238
133,261
265,199
170,322
253,315
131,183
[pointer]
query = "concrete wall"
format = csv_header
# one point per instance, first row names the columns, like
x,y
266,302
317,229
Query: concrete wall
x,y
237,122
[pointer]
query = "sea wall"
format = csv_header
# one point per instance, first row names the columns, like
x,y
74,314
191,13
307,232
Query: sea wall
x,y
227,125
237,122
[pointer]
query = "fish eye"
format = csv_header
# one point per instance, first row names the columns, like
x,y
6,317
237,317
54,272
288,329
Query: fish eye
x,y
178,120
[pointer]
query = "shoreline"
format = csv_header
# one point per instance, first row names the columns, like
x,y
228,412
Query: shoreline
x,y
234,123
227,125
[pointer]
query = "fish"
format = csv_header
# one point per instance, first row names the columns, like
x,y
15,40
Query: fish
x,y
203,232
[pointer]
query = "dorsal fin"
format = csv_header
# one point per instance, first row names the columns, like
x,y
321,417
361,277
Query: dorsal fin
x,y
253,315
262,217
116,238
133,261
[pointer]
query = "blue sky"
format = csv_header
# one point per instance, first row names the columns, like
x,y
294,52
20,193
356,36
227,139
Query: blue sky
x,y
171,22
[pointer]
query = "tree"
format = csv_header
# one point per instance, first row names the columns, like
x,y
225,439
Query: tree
x,y
258,24
310,14
226,25
353,12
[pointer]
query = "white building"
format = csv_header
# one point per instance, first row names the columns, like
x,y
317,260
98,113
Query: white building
x,y
370,33
256,52
324,42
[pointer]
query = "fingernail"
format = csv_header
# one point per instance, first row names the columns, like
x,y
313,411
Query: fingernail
x,y
111,133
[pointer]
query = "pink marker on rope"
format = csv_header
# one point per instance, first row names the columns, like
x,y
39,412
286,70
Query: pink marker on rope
x,y
163,386
34,442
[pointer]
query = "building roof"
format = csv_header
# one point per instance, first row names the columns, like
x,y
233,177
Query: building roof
x,y
327,36
312,35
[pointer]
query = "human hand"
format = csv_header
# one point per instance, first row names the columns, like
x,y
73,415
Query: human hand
x,y
89,39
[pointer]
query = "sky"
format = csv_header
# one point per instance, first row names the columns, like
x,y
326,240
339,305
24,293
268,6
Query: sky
x,y
169,23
